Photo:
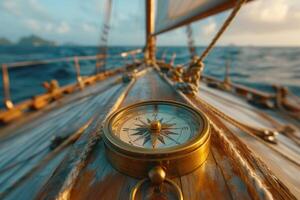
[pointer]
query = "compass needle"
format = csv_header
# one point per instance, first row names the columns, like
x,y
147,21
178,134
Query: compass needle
x,y
140,125
139,133
165,125
134,129
153,140
142,122
161,139
179,128
140,137
170,132
147,138
167,136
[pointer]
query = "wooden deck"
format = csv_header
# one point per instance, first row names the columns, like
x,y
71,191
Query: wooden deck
x,y
285,153
25,145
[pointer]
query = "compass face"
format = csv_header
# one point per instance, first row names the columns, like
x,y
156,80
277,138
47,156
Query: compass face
x,y
156,125
168,134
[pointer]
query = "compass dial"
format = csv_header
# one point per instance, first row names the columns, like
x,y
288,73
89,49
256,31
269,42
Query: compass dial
x,y
155,126
168,134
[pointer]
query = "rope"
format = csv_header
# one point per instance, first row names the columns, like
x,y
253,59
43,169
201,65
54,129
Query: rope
x,y
222,29
101,61
190,40
196,66
250,175
94,138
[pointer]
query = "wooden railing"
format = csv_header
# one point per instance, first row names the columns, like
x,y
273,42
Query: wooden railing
x,y
265,99
74,59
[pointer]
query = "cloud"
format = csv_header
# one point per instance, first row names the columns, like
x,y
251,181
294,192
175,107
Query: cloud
x,y
89,28
11,7
63,28
267,22
41,27
25,9
33,24
209,28
264,22
258,23
268,16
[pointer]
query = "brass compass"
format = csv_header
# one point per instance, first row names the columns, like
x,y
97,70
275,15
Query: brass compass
x,y
166,133
152,138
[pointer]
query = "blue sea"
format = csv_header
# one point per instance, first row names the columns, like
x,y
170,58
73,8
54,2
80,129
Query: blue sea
x,y
257,67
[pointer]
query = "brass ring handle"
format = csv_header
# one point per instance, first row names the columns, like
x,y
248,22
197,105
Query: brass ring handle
x,y
169,181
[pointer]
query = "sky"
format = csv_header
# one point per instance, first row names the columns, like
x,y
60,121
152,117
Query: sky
x,y
260,23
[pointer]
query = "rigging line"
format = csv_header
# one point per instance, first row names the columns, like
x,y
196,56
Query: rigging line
x,y
101,61
222,29
190,41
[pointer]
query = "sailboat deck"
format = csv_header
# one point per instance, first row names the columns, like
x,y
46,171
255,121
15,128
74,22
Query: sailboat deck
x,y
91,176
25,144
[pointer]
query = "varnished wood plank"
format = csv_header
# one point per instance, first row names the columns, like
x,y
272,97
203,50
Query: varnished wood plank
x,y
269,180
55,109
52,187
98,178
206,182
67,123
29,189
235,184
63,122
150,86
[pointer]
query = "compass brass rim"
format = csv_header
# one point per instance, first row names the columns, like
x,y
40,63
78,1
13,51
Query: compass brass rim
x,y
113,141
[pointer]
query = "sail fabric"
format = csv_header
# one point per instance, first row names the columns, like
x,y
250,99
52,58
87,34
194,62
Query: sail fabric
x,y
171,14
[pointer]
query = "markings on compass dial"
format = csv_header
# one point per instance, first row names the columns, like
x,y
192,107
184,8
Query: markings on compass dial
x,y
185,128
155,112
170,120
174,129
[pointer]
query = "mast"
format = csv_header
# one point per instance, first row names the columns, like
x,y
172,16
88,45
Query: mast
x,y
150,49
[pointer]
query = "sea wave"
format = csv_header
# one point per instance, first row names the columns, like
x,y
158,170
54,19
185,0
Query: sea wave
x,y
258,67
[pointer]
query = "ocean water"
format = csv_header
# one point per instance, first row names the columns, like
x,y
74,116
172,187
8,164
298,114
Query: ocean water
x,y
257,67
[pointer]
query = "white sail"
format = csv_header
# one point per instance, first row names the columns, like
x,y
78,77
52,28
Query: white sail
x,y
175,13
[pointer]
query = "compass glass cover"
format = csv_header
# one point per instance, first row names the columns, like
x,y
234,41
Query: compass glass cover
x,y
156,126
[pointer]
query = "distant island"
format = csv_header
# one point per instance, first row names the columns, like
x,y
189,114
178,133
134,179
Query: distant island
x,y
31,40
4,41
